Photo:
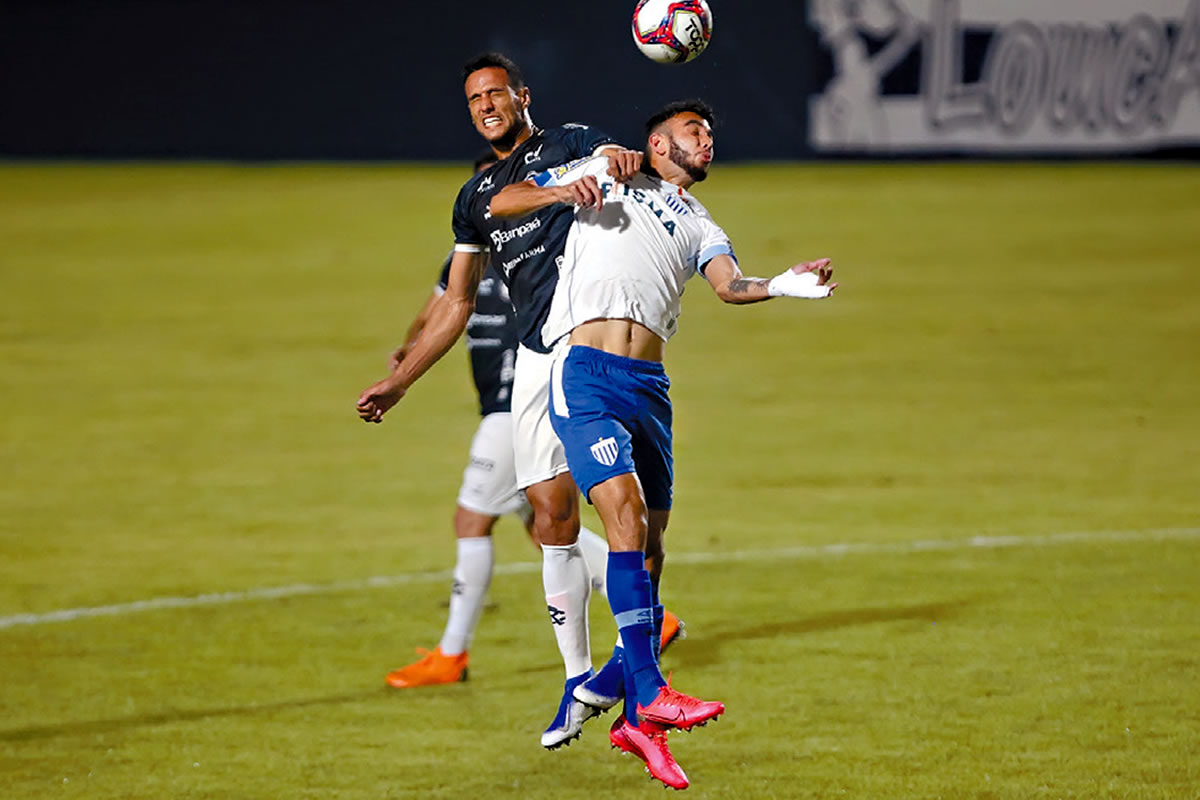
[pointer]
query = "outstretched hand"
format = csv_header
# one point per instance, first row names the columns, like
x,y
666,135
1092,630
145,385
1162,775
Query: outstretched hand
x,y
377,399
821,267
809,280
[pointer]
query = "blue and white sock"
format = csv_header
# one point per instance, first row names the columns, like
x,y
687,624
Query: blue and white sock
x,y
631,598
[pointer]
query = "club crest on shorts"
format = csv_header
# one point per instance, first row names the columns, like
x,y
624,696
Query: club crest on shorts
x,y
605,451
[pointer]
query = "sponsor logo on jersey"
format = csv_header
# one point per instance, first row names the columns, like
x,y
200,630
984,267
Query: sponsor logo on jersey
x,y
484,185
494,320
605,451
647,199
534,155
508,369
578,126
474,343
510,265
501,238
562,169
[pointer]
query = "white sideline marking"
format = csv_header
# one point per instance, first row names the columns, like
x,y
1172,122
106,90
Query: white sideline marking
x,y
799,552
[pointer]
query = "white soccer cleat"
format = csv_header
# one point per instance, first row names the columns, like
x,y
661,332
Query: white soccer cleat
x,y
568,723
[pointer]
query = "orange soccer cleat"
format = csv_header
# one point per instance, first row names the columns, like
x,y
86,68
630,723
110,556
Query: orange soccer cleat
x,y
672,630
431,670
649,743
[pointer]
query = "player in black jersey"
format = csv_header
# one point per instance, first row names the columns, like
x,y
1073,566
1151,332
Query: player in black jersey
x,y
489,487
525,252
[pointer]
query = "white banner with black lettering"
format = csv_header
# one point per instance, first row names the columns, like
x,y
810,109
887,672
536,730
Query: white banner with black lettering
x,y
997,76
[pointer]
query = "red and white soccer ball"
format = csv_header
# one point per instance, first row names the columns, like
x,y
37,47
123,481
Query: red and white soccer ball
x,y
672,31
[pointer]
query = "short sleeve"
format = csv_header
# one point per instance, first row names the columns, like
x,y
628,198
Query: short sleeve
x,y
467,236
444,277
584,140
714,243
571,171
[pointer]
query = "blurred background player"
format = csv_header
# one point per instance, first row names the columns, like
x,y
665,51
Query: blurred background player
x,y
630,251
489,487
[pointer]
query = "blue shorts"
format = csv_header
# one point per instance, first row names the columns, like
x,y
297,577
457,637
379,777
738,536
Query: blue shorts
x,y
613,417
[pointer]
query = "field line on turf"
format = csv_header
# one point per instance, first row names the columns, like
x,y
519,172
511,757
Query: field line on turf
x,y
799,552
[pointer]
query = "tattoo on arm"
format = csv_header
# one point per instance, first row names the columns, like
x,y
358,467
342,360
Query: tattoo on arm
x,y
746,285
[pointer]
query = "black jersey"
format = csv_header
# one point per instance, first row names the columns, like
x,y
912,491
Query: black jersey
x,y
525,251
491,341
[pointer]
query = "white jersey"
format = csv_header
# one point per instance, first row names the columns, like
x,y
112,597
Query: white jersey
x,y
630,259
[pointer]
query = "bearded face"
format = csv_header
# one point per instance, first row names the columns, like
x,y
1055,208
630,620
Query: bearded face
x,y
695,164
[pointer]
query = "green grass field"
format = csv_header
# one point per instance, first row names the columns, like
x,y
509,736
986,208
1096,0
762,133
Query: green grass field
x,y
1014,352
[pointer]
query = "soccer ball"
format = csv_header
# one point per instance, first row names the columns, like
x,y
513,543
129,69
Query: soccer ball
x,y
672,31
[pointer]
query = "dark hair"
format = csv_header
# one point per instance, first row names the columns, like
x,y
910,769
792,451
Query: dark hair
x,y
695,106
493,59
485,157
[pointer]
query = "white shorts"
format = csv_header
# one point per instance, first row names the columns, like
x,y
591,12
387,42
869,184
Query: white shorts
x,y
489,483
539,454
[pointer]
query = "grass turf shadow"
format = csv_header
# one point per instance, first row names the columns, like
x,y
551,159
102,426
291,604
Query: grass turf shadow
x,y
87,727
700,650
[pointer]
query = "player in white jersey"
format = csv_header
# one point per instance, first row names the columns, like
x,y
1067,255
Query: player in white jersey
x,y
526,253
628,255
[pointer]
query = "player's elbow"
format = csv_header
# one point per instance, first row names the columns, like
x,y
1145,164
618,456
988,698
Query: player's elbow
x,y
452,318
508,203
498,206
727,295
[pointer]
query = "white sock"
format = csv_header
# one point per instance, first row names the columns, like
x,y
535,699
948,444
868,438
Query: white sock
x,y
568,588
595,553
472,576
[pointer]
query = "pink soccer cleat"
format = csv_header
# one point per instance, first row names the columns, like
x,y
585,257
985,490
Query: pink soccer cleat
x,y
677,710
649,743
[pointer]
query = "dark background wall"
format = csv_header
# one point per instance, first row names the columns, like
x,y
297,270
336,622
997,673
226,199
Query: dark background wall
x,y
367,79
372,79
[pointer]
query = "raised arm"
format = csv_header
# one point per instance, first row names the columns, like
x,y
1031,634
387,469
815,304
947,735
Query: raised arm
x,y
519,199
808,280
447,320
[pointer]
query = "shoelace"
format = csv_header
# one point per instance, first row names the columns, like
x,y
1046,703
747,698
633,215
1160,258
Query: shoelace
x,y
680,699
658,740
671,695
659,737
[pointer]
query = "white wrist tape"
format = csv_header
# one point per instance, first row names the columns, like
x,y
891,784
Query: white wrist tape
x,y
792,284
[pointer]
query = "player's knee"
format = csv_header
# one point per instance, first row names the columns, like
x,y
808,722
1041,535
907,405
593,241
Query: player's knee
x,y
626,525
555,518
472,524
